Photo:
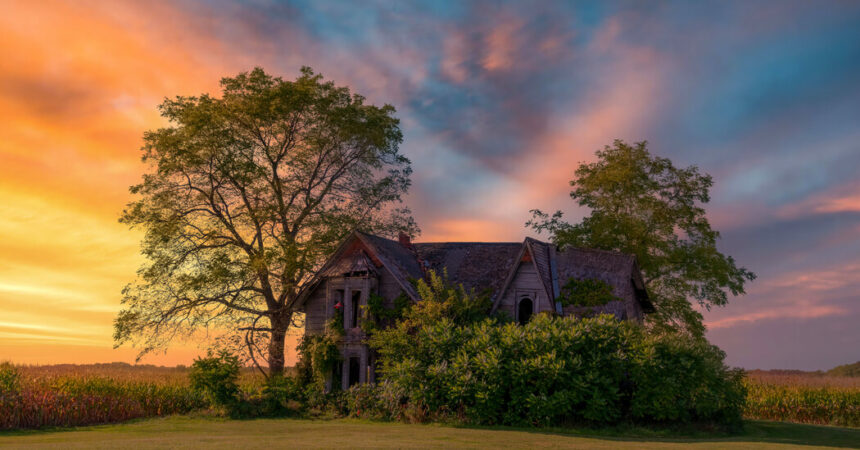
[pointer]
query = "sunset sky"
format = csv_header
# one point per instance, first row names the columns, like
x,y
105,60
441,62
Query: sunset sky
x,y
498,104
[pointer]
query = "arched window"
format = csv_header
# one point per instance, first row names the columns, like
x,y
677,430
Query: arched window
x,y
524,310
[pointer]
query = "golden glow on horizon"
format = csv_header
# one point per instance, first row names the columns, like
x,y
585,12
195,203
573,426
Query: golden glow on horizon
x,y
79,85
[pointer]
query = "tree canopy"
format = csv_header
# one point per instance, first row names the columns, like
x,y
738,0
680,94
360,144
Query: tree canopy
x,y
243,198
643,205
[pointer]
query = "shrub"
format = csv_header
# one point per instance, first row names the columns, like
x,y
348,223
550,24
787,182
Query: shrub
x,y
546,372
680,379
366,401
439,363
215,376
280,395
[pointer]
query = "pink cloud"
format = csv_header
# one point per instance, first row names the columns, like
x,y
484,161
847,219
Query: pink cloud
x,y
810,312
501,45
844,198
802,294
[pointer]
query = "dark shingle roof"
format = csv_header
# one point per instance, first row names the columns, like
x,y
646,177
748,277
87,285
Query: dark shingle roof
x,y
487,265
589,263
479,265
400,260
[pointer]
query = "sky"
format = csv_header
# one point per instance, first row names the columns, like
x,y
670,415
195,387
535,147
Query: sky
x,y
499,102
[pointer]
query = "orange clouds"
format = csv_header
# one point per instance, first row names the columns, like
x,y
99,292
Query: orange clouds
x,y
619,110
79,83
792,312
840,204
469,230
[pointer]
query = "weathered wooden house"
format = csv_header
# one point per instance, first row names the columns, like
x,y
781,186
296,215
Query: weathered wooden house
x,y
523,277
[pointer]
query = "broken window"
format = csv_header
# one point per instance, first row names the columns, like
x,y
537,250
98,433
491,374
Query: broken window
x,y
356,299
525,310
354,370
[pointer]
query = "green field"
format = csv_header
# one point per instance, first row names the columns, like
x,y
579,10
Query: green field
x,y
193,432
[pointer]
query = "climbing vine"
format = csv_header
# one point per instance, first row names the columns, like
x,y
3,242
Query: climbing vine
x,y
377,316
586,292
318,355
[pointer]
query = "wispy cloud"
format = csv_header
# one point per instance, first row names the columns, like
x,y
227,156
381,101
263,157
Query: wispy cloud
x,y
499,102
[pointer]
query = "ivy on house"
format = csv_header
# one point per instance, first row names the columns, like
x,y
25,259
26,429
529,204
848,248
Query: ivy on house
x,y
586,292
377,315
318,355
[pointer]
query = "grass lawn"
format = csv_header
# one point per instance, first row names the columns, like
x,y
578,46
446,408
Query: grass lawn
x,y
192,432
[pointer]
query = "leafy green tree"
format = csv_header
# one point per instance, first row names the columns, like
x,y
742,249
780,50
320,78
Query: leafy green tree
x,y
643,205
244,197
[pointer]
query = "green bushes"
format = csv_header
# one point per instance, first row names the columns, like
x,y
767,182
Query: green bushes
x,y
215,376
554,371
318,355
678,379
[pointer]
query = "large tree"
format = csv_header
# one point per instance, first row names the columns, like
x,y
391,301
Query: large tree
x,y
645,206
244,197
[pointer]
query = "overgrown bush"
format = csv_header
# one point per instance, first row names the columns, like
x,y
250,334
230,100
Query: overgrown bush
x,y
442,362
318,356
280,396
215,376
586,292
554,371
679,379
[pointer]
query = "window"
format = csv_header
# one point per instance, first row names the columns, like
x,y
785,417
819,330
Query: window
x,y
525,310
337,303
354,371
356,300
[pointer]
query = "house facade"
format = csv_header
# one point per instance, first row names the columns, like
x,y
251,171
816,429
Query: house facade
x,y
524,279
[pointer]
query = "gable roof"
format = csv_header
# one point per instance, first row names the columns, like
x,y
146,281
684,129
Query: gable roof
x,y
532,252
398,260
481,265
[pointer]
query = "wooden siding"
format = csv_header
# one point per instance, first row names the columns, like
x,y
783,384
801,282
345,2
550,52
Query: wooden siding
x,y
526,281
318,305
315,309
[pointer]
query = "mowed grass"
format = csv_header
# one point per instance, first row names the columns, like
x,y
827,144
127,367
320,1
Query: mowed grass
x,y
194,432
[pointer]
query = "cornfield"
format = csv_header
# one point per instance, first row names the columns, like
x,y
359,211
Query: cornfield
x,y
75,395
68,395
803,397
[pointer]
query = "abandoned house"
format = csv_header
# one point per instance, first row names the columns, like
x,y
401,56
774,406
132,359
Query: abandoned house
x,y
523,278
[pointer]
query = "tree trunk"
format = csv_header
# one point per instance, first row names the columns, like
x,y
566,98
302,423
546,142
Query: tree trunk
x,y
278,336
